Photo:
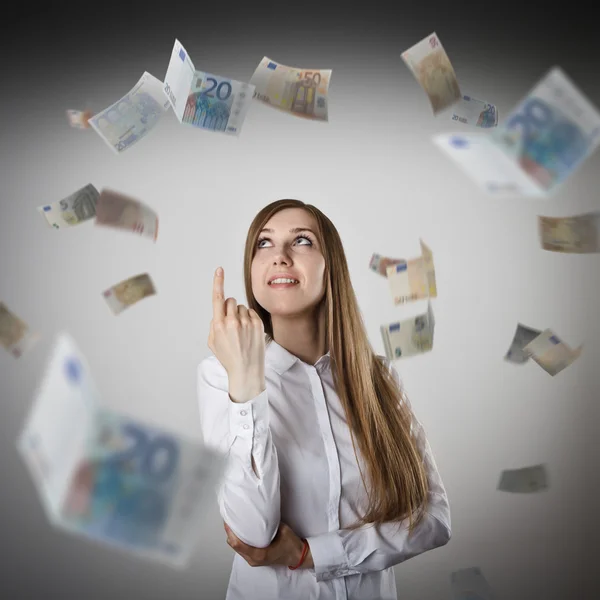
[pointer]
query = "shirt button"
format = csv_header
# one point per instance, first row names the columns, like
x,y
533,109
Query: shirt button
x,y
246,426
243,413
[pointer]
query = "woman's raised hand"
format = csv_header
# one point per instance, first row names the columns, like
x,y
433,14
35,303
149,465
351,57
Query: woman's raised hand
x,y
237,339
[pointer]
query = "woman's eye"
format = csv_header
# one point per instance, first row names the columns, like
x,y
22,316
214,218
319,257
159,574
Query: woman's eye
x,y
296,240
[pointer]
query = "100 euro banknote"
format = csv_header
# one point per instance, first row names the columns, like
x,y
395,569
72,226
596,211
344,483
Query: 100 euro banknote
x,y
130,119
110,477
301,92
205,100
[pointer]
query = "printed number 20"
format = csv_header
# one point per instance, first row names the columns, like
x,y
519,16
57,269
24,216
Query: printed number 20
x,y
147,450
223,85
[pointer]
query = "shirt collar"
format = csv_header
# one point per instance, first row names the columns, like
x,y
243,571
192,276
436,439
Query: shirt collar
x,y
280,359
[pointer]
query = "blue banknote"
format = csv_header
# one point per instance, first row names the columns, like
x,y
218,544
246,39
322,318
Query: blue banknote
x,y
131,118
205,100
551,132
112,478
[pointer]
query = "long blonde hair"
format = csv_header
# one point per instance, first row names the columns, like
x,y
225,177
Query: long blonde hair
x,y
377,416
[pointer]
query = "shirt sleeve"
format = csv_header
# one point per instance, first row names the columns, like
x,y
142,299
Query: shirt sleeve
x,y
249,503
377,547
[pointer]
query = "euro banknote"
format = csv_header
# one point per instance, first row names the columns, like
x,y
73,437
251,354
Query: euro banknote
x,y
523,335
79,118
413,279
122,212
433,70
379,264
15,335
541,143
80,206
128,292
470,584
471,111
205,100
412,336
134,116
109,477
488,166
551,353
579,234
525,480
301,92
558,128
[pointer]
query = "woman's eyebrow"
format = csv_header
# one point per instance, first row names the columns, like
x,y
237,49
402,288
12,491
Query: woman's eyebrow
x,y
294,230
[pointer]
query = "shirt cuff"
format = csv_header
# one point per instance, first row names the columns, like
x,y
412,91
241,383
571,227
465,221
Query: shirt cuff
x,y
248,419
329,556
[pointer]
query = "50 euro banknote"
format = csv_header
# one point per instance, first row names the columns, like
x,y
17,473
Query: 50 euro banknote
x,y
109,477
412,336
15,335
205,100
134,116
128,292
301,92
551,353
432,68
414,279
579,234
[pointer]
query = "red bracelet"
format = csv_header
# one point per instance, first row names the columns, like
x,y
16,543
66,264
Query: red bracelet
x,y
304,553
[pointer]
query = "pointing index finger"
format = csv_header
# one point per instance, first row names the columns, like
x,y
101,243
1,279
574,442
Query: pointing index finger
x,y
218,295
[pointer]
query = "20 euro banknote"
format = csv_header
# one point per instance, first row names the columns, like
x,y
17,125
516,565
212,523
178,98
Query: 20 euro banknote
x,y
204,100
109,477
133,117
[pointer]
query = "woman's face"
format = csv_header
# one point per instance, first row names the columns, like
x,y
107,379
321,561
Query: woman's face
x,y
296,253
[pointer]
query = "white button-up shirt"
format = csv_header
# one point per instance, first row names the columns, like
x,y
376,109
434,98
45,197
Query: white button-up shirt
x,y
297,433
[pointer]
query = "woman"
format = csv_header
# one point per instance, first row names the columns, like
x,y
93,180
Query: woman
x,y
301,412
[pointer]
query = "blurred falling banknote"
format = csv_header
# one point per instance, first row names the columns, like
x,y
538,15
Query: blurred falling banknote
x,y
108,477
134,116
409,337
72,210
129,291
579,234
433,70
414,279
79,119
301,92
551,353
523,481
544,139
204,100
15,336
119,211
470,584
471,111
523,335
379,264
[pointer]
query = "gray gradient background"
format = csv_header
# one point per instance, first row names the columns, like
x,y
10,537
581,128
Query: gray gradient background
x,y
374,171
